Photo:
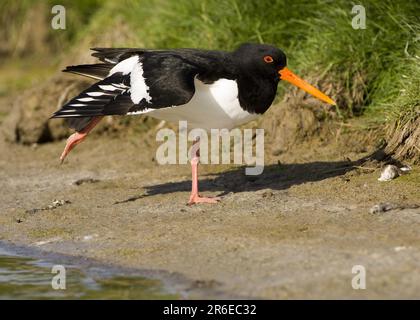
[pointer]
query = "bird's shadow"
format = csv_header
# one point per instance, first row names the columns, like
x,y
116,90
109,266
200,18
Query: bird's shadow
x,y
275,176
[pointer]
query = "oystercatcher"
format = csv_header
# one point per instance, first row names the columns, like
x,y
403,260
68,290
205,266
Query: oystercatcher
x,y
208,89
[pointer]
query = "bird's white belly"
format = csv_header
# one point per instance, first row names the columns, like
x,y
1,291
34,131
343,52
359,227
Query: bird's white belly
x,y
213,106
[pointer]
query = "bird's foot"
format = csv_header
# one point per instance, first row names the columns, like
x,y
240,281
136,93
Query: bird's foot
x,y
195,198
72,141
79,136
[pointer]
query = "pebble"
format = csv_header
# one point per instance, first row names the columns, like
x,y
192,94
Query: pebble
x,y
55,204
43,242
267,194
381,207
391,172
85,180
58,203
90,237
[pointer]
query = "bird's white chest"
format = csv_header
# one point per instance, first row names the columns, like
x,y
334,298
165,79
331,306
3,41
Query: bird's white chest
x,y
213,106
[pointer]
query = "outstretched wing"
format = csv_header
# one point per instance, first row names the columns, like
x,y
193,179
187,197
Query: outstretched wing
x,y
131,81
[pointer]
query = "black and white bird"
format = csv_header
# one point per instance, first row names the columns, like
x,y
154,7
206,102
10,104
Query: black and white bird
x,y
208,89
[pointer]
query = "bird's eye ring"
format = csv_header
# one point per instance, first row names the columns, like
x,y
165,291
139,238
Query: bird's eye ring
x,y
268,59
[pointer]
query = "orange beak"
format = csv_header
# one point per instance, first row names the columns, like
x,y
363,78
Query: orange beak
x,y
289,76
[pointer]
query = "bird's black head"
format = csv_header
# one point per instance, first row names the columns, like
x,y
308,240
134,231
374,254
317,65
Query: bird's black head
x,y
262,61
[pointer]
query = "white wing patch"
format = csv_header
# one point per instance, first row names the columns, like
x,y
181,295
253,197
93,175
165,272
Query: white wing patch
x,y
139,88
126,66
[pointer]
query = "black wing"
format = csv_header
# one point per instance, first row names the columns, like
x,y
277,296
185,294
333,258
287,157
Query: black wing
x,y
137,81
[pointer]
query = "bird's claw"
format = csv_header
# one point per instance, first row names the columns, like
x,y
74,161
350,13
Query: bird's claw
x,y
194,199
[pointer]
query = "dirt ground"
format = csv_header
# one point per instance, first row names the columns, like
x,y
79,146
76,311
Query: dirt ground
x,y
296,231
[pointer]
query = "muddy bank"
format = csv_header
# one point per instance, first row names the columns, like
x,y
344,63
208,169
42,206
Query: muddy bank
x,y
296,231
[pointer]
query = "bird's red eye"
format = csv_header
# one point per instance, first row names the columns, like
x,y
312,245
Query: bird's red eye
x,y
268,59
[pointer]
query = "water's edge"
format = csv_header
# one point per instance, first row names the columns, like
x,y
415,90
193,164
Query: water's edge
x,y
26,273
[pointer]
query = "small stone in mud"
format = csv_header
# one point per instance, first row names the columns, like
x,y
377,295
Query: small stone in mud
x,y
381,207
390,172
277,152
267,194
32,211
58,203
55,204
303,229
345,179
205,284
89,237
85,180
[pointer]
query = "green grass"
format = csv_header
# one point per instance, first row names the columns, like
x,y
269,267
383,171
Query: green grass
x,y
373,72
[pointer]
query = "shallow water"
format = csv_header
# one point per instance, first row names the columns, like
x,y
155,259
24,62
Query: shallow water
x,y
26,278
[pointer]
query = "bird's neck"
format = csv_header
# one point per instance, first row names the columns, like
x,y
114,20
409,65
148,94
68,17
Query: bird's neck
x,y
256,94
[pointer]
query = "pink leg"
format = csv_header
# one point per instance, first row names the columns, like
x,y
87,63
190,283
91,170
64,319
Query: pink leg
x,y
195,197
78,137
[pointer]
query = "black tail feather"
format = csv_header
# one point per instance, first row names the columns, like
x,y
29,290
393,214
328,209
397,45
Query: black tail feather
x,y
115,55
97,71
